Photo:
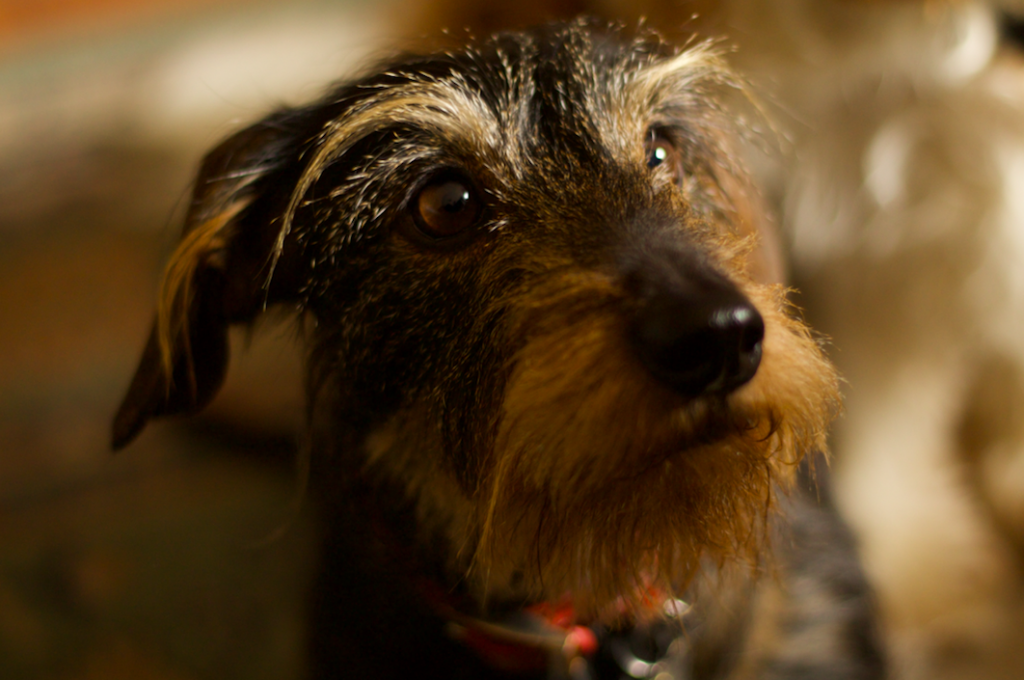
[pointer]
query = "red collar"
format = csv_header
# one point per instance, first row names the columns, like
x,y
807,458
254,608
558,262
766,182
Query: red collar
x,y
537,638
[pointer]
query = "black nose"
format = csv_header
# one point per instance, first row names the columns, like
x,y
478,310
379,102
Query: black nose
x,y
701,337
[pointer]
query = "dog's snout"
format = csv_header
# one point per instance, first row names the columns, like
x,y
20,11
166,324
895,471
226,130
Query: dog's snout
x,y
701,337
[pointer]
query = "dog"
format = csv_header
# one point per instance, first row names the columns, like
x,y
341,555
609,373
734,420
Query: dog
x,y
557,397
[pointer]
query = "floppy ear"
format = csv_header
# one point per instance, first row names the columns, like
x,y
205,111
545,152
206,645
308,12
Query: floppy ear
x,y
227,268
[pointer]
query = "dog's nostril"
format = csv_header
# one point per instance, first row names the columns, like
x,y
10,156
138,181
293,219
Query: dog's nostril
x,y
700,344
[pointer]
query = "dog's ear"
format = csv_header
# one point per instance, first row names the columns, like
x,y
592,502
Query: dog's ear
x,y
232,261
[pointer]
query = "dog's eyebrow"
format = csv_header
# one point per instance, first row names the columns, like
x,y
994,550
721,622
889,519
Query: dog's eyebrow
x,y
671,90
685,75
448,109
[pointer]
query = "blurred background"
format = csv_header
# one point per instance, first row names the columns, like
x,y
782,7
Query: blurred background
x,y
188,554
184,556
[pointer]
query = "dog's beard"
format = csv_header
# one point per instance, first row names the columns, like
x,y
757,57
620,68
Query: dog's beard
x,y
604,486
595,482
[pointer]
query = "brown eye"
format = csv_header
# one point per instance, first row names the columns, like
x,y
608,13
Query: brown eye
x,y
445,207
662,153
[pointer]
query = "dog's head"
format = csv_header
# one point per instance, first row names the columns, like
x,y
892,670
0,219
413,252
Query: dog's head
x,y
542,300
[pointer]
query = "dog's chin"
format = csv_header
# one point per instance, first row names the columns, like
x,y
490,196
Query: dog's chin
x,y
614,521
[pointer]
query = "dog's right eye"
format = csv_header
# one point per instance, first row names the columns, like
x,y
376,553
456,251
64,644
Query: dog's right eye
x,y
446,206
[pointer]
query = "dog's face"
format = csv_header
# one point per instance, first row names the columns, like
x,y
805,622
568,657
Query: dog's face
x,y
540,301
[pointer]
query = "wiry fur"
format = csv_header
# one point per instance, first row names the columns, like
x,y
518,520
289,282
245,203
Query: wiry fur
x,y
574,465
479,416
598,482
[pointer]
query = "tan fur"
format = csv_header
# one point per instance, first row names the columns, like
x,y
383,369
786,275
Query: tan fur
x,y
198,248
579,412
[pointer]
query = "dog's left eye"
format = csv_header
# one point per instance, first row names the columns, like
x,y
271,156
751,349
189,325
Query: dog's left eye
x,y
662,153
446,206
